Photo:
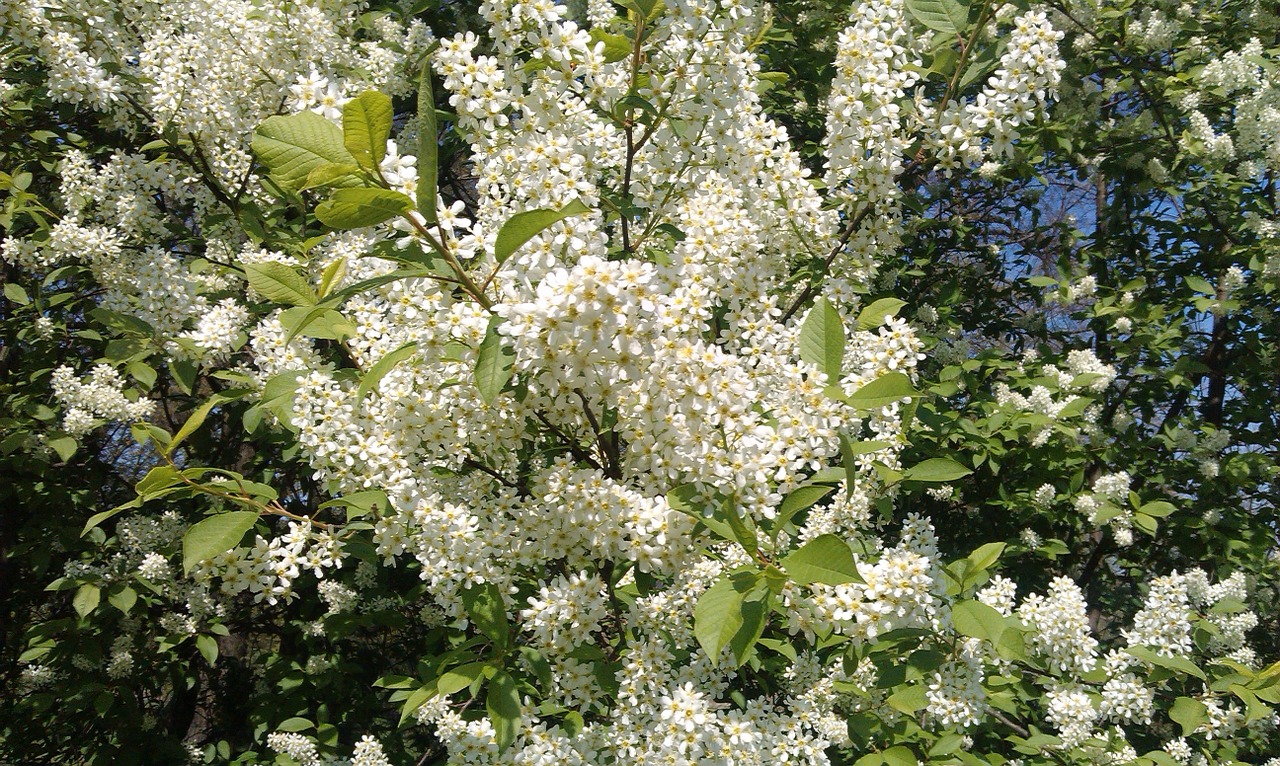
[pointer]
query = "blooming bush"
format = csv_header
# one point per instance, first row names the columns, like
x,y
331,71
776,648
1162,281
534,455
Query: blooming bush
x,y
513,385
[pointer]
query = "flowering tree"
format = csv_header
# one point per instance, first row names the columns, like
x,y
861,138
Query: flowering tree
x,y
628,384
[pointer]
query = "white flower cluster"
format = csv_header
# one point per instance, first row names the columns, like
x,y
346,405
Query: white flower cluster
x,y
214,335
1108,503
1061,623
269,568
1017,94
1084,372
98,396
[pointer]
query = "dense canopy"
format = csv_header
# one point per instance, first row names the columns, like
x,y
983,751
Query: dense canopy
x,y
650,382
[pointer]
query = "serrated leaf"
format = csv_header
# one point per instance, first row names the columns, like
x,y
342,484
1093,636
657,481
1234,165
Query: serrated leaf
x,y
65,446
985,556
14,292
98,518
487,611
333,274
873,316
194,421
208,647
717,617
522,227
936,469
1157,509
428,148
797,501
909,700
366,126
899,755
1146,523
319,321
1189,713
124,599
887,389
502,702
215,535
456,679
1179,664
494,363
616,47
357,208
942,15
379,370
755,615
157,478
1200,285
977,620
417,698
279,283
822,339
294,725
825,559
294,145
86,599
333,174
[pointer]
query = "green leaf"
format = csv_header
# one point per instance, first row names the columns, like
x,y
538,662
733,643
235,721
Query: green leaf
x,y
295,725
718,617
909,700
887,389
215,535
124,599
755,615
194,421
936,469
825,559
899,755
158,478
292,146
98,518
616,47
494,363
86,599
1146,523
184,374
503,705
65,446
1157,509
1179,664
942,15
333,174
142,372
357,208
985,556
14,292
873,316
316,322
428,148
1189,713
208,647
797,501
977,620
486,610
379,370
822,339
522,227
456,679
123,324
279,283
1200,285
416,699
366,126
